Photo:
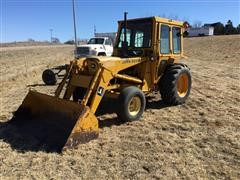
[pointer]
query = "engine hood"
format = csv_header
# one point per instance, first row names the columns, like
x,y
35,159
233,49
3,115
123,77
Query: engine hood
x,y
114,63
103,59
92,46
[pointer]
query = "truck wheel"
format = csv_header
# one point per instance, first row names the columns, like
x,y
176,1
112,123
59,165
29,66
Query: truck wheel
x,y
132,103
175,84
49,77
78,93
102,54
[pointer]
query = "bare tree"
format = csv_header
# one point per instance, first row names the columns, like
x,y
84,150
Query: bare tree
x,y
30,40
197,24
173,16
163,15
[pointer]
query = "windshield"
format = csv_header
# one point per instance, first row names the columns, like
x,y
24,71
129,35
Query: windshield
x,y
96,41
139,34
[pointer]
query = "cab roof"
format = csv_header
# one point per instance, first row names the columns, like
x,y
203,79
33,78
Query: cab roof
x,y
157,19
102,37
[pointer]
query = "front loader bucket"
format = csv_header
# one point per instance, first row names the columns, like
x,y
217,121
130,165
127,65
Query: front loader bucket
x,y
56,123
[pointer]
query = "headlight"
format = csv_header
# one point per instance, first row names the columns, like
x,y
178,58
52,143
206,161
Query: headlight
x,y
93,52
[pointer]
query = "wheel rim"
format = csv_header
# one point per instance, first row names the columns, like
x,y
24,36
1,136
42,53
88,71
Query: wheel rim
x,y
182,85
134,106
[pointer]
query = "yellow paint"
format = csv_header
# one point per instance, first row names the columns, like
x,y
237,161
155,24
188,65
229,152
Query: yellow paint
x,y
134,105
182,85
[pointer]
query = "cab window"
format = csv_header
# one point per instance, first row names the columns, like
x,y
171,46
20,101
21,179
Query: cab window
x,y
165,39
96,41
139,34
122,37
176,33
139,39
108,42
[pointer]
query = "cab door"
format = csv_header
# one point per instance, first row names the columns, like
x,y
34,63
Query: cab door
x,y
164,49
177,49
165,43
108,47
169,47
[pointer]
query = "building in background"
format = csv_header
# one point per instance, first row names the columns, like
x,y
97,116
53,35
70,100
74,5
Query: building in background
x,y
201,31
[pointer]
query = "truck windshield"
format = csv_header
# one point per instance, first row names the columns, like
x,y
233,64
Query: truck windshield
x,y
139,34
96,41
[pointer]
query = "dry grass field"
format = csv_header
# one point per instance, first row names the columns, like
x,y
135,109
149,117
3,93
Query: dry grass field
x,y
197,140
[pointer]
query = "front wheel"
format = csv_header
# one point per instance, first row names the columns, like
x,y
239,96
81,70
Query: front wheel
x,y
175,85
132,104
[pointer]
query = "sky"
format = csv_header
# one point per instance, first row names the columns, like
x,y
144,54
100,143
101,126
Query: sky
x,y
24,19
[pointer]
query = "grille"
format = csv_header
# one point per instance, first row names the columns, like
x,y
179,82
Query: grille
x,y
83,51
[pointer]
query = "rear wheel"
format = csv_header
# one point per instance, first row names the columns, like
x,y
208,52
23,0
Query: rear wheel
x,y
175,85
132,103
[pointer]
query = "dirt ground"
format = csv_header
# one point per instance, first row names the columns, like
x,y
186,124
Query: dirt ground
x,y
197,140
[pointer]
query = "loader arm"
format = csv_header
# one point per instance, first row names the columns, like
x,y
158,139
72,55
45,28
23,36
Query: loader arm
x,y
98,83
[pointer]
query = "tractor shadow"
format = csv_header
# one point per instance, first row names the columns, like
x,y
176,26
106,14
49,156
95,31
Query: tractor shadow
x,y
106,113
108,108
33,136
19,140
36,85
153,103
45,138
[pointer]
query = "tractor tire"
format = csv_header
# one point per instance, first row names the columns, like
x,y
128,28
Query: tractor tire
x,y
49,77
175,84
78,93
132,104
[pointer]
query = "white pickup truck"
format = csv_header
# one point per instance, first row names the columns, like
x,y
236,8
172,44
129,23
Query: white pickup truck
x,y
98,46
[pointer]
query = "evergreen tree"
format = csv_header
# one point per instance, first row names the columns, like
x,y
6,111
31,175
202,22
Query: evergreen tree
x,y
229,29
219,29
238,29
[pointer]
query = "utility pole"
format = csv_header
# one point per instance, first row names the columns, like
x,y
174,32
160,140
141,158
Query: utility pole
x,y
51,30
95,30
74,21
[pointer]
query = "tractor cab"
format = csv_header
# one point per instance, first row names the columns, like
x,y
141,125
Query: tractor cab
x,y
149,37
138,40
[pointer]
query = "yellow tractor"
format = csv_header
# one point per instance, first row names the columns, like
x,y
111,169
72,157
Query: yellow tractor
x,y
145,59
